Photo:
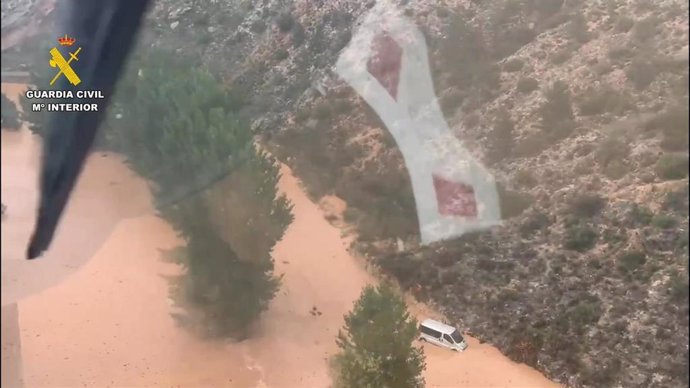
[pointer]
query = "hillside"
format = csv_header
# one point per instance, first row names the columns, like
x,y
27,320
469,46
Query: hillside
x,y
579,110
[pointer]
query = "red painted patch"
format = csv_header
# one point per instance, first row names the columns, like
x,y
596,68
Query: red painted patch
x,y
385,64
455,199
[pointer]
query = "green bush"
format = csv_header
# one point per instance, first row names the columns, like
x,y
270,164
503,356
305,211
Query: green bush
x,y
579,238
285,22
676,200
624,23
678,288
561,56
620,53
612,148
672,167
513,203
616,169
377,344
557,110
587,205
531,146
641,73
664,221
645,29
526,85
606,100
513,65
280,54
675,125
501,137
631,261
640,215
10,114
578,29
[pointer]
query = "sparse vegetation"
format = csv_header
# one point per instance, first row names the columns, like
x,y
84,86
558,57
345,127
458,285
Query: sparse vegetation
x,y
671,166
579,238
641,73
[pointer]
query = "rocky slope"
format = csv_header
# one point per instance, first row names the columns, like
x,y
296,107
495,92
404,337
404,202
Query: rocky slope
x,y
580,109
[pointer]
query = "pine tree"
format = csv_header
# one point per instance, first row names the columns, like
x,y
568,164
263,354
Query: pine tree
x,y
377,344
180,128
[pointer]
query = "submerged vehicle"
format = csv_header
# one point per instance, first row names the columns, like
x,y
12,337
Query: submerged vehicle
x,y
441,334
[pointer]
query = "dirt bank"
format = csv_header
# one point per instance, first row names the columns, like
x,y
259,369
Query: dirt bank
x,y
108,324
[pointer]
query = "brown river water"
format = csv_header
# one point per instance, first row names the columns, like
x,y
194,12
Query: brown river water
x,y
95,311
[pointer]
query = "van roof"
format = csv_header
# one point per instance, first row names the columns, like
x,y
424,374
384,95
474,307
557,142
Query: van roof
x,y
438,326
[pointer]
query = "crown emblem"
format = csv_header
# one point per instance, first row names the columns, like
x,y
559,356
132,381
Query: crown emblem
x,y
66,40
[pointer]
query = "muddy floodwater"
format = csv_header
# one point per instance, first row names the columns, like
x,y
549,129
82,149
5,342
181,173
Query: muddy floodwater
x,y
95,311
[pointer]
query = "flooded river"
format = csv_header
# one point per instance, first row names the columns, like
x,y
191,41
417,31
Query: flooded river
x,y
95,311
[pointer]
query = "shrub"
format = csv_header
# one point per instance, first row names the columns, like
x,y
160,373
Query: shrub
x,y
578,29
525,178
513,203
10,114
535,222
620,53
501,137
610,149
513,65
280,54
526,85
674,124
676,200
678,288
557,109
596,102
376,344
531,146
285,22
579,238
631,261
298,35
616,169
640,215
258,26
641,73
561,56
624,24
664,221
645,29
587,205
672,167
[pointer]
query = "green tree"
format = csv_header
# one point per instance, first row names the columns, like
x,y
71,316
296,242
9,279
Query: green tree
x,y
502,137
377,344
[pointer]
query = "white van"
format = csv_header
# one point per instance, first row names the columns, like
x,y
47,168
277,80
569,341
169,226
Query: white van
x,y
442,335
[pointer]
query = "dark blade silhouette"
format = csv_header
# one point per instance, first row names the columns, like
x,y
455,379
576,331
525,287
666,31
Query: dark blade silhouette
x,y
106,31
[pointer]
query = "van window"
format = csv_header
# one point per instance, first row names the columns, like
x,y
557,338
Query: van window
x,y
429,331
447,338
456,336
